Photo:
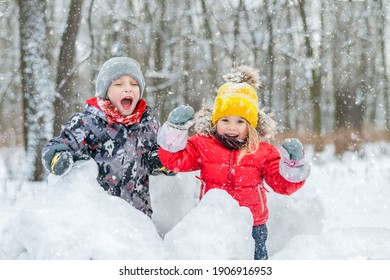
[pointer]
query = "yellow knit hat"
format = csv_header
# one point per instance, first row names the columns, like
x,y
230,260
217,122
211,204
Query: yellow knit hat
x,y
238,96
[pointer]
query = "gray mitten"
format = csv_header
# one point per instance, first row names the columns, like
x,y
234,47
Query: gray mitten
x,y
61,163
57,159
173,134
293,148
293,165
181,115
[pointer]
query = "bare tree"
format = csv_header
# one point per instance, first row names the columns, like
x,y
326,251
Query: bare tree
x,y
385,75
37,86
10,126
212,70
289,102
162,53
269,8
350,75
65,69
315,92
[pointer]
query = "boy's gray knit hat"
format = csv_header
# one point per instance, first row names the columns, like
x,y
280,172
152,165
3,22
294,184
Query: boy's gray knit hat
x,y
114,68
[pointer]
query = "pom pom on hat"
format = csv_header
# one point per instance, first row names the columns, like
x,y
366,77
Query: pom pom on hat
x,y
114,68
238,97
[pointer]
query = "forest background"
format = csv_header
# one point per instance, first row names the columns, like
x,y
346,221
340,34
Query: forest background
x,y
325,63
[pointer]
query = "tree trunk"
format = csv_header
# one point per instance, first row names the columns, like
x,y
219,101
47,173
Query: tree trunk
x,y
37,86
159,82
62,104
315,93
350,75
270,56
289,101
187,62
236,33
212,70
385,76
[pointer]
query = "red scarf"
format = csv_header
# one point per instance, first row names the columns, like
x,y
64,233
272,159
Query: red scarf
x,y
112,113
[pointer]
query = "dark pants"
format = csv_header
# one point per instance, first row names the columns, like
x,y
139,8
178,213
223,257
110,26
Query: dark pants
x,y
259,234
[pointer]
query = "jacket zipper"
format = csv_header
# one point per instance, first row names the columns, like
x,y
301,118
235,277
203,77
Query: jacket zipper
x,y
261,199
202,187
230,171
259,186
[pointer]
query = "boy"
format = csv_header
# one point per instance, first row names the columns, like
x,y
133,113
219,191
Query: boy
x,y
117,131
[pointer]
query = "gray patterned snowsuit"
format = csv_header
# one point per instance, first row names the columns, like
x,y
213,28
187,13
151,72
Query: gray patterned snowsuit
x,y
125,155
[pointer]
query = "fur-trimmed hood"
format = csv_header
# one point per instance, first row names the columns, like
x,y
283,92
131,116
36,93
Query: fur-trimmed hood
x,y
266,126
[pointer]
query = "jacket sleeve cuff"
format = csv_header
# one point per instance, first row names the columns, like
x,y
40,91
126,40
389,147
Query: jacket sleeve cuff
x,y
173,138
294,174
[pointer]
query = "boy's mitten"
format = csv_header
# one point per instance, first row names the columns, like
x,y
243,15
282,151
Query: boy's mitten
x,y
294,148
61,163
57,159
163,170
181,115
155,165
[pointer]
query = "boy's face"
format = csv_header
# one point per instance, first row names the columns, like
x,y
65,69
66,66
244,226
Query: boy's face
x,y
124,94
232,127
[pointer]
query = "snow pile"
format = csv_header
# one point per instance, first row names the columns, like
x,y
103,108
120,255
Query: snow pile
x,y
172,198
342,212
76,219
73,218
218,228
339,244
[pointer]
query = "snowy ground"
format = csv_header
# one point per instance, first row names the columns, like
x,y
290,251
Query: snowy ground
x,y
341,213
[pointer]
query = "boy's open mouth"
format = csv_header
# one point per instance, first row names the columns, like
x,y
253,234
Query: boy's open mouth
x,y
126,103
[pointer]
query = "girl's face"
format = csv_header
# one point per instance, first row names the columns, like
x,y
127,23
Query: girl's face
x,y
233,127
124,94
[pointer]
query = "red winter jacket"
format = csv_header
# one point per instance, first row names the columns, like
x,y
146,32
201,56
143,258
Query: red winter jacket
x,y
244,181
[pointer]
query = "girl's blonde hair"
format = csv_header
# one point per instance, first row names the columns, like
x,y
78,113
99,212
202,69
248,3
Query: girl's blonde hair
x,y
253,139
252,144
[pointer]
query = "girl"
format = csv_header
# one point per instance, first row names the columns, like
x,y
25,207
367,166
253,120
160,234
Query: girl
x,y
229,150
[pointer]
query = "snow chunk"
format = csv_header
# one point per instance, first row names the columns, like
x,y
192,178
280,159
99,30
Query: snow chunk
x,y
340,244
76,219
217,210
